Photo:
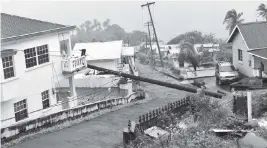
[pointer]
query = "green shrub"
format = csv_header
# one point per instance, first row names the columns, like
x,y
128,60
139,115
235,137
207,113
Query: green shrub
x,y
143,58
259,104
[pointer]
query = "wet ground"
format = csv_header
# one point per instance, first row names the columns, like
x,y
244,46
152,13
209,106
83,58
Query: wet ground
x,y
106,131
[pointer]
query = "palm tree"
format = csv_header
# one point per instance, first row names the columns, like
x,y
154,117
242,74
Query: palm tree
x,y
188,54
262,11
232,18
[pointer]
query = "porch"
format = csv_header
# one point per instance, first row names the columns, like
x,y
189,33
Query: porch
x,y
259,63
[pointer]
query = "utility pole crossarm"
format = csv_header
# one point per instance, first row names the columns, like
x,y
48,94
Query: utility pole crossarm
x,y
147,4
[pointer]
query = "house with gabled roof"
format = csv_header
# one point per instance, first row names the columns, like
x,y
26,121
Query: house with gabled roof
x,y
32,63
249,47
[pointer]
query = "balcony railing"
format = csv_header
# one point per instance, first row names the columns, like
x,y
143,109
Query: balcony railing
x,y
72,64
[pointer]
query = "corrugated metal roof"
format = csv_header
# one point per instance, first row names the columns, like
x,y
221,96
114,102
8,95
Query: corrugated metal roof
x,y
12,25
254,33
260,52
99,50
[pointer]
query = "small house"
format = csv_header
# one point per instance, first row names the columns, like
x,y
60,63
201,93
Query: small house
x,y
249,48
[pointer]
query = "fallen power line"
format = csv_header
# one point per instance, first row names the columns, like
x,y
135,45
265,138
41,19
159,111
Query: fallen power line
x,y
157,82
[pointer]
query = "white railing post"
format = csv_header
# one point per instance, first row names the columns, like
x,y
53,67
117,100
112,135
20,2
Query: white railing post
x,y
249,106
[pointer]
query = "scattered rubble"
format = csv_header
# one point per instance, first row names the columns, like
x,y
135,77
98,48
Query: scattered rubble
x,y
156,132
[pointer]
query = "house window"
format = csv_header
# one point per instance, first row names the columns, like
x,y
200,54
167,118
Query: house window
x,y
8,67
64,46
240,55
45,99
20,109
30,57
42,52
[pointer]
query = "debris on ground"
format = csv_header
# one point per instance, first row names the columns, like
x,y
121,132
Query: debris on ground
x,y
252,140
156,132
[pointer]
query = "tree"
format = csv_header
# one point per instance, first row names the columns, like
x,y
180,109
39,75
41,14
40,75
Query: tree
x,y
188,54
262,11
232,18
106,23
90,31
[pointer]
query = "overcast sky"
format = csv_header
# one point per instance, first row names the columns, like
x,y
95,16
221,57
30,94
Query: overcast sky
x,y
171,18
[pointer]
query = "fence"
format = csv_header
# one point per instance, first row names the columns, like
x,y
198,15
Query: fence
x,y
152,118
32,126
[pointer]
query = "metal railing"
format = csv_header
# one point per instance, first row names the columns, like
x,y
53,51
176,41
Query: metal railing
x,y
73,63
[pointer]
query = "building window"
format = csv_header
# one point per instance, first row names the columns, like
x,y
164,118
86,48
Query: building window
x,y
64,46
240,55
45,99
42,52
30,57
20,109
8,67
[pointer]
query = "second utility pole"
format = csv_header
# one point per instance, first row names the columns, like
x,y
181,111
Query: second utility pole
x,y
151,53
148,6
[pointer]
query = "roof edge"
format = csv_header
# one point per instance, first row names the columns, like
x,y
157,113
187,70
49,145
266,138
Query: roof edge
x,y
36,33
230,37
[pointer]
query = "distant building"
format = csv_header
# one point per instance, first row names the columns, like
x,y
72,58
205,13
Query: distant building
x,y
249,47
102,54
211,47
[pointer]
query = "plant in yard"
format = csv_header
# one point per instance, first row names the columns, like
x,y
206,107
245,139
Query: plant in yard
x,y
232,18
259,104
262,11
142,58
262,132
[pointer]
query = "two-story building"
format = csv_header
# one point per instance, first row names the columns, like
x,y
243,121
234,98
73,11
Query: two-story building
x,y
249,48
31,66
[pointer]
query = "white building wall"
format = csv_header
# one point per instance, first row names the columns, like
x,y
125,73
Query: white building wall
x,y
29,83
243,67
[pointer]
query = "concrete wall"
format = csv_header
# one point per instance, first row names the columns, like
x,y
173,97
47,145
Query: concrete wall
x,y
109,64
28,127
92,81
29,83
243,67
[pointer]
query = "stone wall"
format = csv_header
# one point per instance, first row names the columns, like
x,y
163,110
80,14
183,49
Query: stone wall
x,y
32,126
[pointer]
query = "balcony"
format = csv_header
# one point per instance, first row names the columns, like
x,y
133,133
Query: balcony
x,y
69,65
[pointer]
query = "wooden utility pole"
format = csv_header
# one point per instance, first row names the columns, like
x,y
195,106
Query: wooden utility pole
x,y
157,82
148,24
148,6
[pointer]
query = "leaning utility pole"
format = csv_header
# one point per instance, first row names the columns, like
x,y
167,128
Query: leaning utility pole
x,y
153,81
148,6
151,54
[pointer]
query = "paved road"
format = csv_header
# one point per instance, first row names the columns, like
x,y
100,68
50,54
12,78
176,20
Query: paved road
x,y
106,131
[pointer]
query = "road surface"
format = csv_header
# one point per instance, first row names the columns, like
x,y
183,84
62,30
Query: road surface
x,y
106,131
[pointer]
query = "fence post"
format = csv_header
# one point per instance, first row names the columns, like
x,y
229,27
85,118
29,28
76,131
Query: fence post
x,y
249,106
